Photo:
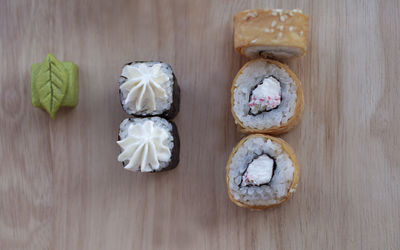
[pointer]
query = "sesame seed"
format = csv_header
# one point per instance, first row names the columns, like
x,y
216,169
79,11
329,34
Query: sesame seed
x,y
273,23
274,13
280,27
297,10
283,18
291,13
291,28
253,14
250,14
301,33
280,34
269,30
254,41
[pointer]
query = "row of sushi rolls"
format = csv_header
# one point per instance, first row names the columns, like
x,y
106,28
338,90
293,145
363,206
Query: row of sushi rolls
x,y
266,97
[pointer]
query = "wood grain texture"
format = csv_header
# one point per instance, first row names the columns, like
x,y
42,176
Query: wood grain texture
x,y
61,186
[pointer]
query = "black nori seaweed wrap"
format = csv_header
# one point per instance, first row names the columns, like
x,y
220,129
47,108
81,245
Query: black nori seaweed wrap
x,y
175,150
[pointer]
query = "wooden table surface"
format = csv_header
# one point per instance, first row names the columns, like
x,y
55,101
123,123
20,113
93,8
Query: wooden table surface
x,y
61,186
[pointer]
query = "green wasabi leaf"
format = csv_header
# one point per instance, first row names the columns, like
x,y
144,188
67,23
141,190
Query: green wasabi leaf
x,y
51,84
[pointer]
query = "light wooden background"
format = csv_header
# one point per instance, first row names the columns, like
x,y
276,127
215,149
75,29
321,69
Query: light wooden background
x,y
61,186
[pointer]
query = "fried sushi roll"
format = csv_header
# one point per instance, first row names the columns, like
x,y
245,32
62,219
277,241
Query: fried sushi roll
x,y
278,34
266,97
262,172
148,144
149,89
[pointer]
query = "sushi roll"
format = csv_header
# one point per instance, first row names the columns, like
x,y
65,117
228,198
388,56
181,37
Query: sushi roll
x,y
278,34
148,144
266,97
262,172
149,89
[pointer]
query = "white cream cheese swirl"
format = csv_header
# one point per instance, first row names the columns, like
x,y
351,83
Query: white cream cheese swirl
x,y
145,84
145,145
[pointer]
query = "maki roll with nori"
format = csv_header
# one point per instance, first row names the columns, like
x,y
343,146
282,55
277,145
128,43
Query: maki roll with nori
x,y
266,97
262,171
149,88
148,144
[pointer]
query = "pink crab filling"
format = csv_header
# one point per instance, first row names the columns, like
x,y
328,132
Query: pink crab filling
x,y
259,171
266,96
